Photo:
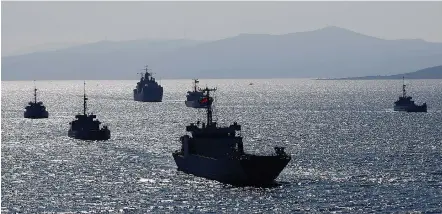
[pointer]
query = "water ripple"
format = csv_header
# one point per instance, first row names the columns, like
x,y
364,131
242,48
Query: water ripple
x,y
351,152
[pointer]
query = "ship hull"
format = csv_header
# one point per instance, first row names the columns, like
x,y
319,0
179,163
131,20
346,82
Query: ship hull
x,y
90,135
36,115
152,96
411,108
248,170
194,104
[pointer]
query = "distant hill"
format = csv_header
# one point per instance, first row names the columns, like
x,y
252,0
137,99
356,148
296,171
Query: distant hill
x,y
330,52
99,60
426,73
40,48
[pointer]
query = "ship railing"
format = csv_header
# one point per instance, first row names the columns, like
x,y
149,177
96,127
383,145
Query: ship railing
x,y
280,151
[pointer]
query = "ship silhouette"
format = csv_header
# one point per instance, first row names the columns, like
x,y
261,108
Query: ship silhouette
x,y
405,103
194,97
217,153
148,89
86,126
35,110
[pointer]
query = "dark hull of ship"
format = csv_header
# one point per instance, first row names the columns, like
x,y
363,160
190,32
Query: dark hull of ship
x,y
411,108
248,170
154,96
36,114
90,135
194,104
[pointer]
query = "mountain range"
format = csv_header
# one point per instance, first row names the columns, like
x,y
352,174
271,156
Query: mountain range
x,y
330,52
426,73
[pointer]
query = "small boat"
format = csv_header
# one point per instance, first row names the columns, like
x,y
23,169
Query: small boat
x,y
85,127
193,98
405,103
35,110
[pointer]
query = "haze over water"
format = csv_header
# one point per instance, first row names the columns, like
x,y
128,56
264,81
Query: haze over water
x,y
351,153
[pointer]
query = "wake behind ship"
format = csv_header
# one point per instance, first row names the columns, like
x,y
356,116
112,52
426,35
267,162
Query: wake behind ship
x,y
405,103
147,89
217,153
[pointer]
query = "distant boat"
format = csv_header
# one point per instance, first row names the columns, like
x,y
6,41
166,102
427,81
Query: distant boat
x,y
251,83
85,127
35,110
405,103
147,89
194,97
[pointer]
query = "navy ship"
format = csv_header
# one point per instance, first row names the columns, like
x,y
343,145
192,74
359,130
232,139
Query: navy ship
x,y
217,153
148,90
85,127
35,110
194,97
404,103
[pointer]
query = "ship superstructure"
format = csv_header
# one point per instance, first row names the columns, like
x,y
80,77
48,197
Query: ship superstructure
x,y
148,89
86,126
405,103
217,153
35,110
194,97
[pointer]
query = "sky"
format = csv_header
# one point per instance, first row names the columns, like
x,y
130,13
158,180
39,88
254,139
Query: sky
x,y
27,25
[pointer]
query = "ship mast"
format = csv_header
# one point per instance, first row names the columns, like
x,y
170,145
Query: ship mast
x,y
84,99
195,81
35,93
146,69
404,93
209,105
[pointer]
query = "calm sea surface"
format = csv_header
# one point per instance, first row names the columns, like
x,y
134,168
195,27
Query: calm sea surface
x,y
351,152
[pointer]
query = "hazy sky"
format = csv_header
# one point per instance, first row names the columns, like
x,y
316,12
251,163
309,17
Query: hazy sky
x,y
26,24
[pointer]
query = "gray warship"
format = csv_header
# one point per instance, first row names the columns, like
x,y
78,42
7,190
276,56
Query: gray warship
x,y
35,110
85,127
147,89
405,103
194,97
217,153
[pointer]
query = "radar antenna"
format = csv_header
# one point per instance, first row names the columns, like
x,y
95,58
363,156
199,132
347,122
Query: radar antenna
x,y
147,73
209,103
146,68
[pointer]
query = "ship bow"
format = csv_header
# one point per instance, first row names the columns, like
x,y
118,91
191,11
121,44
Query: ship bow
x,y
261,170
